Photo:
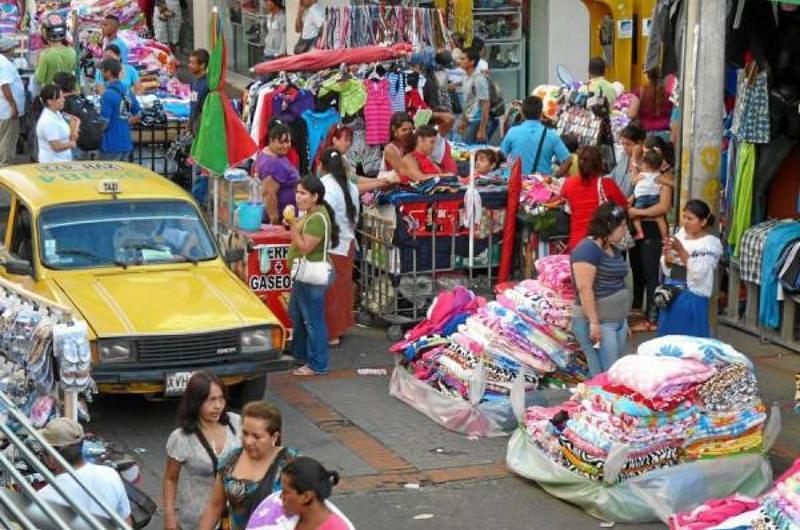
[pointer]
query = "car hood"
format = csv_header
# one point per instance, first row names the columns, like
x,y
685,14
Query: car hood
x,y
141,302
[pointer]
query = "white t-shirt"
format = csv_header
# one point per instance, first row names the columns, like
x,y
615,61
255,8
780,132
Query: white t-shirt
x,y
313,19
100,480
483,66
647,185
275,41
704,254
10,76
52,127
335,197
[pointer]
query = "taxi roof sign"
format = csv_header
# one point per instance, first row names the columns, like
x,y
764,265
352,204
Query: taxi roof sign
x,y
109,187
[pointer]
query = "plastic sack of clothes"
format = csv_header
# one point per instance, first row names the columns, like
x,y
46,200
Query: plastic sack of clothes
x,y
472,417
650,497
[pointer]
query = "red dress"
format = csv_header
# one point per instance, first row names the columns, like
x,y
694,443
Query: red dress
x,y
583,200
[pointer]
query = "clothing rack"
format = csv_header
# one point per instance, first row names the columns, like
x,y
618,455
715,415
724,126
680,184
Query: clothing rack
x,y
366,25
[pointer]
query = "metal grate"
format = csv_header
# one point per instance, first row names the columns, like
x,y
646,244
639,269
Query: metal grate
x,y
188,349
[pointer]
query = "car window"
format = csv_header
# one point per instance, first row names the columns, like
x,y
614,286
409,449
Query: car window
x,y
5,211
123,233
22,234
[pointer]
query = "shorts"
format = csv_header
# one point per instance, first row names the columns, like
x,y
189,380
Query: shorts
x,y
646,201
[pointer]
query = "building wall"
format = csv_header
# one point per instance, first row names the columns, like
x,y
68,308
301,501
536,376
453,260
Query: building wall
x,y
550,44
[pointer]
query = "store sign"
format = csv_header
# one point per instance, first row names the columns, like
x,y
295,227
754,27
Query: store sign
x,y
274,270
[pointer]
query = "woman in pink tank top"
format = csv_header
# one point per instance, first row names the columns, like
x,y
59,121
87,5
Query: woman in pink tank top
x,y
418,164
305,487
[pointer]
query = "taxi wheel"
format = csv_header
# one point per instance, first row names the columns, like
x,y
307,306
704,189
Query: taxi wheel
x,y
250,390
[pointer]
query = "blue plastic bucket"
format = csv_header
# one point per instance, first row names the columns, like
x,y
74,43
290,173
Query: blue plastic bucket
x,y
250,215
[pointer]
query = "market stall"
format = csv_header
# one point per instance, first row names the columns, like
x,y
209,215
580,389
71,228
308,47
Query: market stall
x,y
676,424
463,364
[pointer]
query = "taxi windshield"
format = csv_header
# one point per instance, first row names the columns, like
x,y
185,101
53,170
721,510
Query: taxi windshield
x,y
123,233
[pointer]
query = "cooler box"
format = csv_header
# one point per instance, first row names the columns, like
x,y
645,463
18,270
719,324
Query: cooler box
x,y
266,269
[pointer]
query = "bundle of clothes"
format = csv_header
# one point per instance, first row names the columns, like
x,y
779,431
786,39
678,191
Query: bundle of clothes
x,y
678,399
10,16
526,331
777,509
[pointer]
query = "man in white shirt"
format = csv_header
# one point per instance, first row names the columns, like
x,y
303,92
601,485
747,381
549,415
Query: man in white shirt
x,y
309,22
12,102
66,436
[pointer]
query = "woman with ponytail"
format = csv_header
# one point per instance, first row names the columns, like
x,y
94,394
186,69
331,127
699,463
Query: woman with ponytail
x,y
311,235
306,484
688,262
342,195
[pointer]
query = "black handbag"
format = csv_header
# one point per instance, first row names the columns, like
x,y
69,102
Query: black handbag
x,y
142,506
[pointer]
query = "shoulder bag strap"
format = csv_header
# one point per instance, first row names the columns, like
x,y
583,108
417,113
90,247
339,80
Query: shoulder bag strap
x,y
211,454
601,192
265,486
324,236
539,148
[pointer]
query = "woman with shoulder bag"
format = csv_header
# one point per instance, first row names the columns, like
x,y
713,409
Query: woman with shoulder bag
x,y
688,261
207,430
599,318
251,473
312,273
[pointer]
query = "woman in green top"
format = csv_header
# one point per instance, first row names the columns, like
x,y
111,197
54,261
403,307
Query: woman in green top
x,y
311,235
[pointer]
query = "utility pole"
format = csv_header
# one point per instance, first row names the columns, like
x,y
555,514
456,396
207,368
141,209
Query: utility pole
x,y
702,97
703,72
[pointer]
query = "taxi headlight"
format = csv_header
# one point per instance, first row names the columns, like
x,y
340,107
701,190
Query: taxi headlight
x,y
256,340
114,351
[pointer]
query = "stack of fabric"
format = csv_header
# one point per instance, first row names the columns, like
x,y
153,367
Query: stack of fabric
x,y
525,330
778,508
10,16
679,399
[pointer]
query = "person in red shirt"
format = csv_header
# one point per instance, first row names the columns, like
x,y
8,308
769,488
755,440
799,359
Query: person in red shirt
x,y
582,193
418,163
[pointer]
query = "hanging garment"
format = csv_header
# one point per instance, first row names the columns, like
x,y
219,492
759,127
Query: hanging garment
x,y
377,111
751,114
318,124
743,195
778,238
397,90
352,94
752,251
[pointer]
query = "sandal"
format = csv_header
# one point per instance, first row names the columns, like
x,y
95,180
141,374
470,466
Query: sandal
x,y
644,327
304,370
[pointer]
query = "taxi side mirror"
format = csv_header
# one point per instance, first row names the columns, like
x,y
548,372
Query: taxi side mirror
x,y
17,266
234,255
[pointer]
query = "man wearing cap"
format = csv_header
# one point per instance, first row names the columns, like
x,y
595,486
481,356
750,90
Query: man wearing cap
x,y
66,436
12,103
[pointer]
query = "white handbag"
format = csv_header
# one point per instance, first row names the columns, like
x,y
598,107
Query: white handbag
x,y
314,272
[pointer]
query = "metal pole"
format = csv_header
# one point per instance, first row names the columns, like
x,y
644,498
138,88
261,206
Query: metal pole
x,y
701,125
703,112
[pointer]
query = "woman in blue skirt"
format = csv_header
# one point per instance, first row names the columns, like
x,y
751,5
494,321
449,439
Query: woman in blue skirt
x,y
688,261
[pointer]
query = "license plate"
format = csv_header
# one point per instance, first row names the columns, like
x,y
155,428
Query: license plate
x,y
176,382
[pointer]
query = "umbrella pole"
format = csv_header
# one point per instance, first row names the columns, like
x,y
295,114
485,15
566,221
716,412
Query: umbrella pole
x,y
216,207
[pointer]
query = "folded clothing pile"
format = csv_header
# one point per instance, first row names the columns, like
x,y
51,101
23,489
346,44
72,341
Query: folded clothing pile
x,y
525,330
678,399
777,509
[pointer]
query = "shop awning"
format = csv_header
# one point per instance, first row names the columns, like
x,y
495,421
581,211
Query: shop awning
x,y
316,60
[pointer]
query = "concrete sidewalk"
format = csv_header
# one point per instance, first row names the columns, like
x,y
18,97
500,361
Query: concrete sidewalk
x,y
400,469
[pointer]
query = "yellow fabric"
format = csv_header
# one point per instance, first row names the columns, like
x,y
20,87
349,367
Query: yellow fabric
x,y
460,13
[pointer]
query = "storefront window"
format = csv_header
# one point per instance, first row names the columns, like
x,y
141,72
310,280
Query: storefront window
x,y
245,27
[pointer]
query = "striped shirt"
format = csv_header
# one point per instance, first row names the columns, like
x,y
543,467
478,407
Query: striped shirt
x,y
611,270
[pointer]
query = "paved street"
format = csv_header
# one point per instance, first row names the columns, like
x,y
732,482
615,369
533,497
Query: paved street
x,y
385,450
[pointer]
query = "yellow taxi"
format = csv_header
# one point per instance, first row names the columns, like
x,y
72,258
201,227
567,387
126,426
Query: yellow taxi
x,y
131,253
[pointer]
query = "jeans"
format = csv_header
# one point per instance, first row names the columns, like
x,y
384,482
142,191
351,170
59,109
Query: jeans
x,y
614,336
115,157
470,135
309,331
199,186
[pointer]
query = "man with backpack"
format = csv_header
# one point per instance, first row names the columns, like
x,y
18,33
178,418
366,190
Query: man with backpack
x,y
90,132
119,107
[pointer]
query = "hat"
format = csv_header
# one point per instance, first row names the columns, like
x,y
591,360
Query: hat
x,y
8,44
62,432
